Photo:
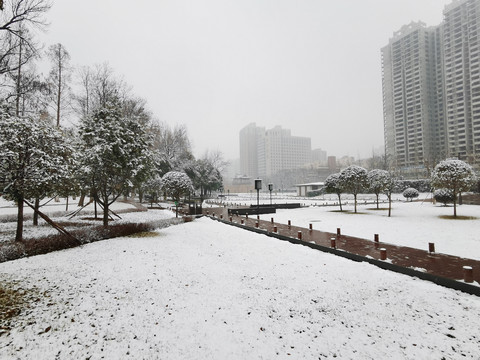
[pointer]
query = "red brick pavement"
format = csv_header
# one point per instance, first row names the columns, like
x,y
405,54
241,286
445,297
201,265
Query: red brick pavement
x,y
443,265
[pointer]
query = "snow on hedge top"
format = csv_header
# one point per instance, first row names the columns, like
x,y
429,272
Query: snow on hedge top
x,y
453,174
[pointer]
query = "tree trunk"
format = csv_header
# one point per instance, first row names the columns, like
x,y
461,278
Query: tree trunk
x,y
340,201
389,205
105,212
66,206
19,233
81,200
454,205
35,212
377,200
355,201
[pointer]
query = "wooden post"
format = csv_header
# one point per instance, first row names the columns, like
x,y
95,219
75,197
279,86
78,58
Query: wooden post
x,y
256,224
310,227
376,238
468,274
289,224
338,232
275,230
431,247
383,254
333,242
299,235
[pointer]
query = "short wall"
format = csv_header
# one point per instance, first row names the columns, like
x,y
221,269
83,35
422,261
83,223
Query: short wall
x,y
439,280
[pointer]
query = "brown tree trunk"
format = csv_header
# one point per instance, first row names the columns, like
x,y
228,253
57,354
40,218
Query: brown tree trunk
x,y
19,233
105,212
35,211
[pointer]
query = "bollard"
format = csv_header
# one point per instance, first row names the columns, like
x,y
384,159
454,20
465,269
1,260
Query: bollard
x,y
338,232
208,213
246,215
468,274
375,238
431,247
258,217
242,221
256,224
221,216
275,230
310,227
231,219
333,242
299,235
289,224
271,220
383,254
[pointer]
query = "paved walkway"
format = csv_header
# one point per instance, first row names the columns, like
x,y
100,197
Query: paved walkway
x,y
447,266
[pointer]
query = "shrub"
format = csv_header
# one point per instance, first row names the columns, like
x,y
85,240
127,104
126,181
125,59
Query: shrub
x,y
410,193
444,196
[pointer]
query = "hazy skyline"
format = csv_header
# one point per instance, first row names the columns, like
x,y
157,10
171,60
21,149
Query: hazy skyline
x,y
310,66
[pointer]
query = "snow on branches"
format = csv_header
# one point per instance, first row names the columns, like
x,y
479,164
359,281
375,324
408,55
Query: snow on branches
x,y
454,175
354,180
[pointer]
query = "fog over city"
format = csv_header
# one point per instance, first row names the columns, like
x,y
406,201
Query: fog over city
x,y
216,65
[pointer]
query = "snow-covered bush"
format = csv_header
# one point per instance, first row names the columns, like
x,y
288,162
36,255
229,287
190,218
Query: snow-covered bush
x,y
454,175
444,196
354,181
410,193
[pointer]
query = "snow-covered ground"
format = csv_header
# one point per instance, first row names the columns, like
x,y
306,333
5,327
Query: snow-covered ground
x,y
9,208
412,224
204,290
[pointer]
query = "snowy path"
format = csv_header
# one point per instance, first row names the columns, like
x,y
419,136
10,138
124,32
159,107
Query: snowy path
x,y
204,290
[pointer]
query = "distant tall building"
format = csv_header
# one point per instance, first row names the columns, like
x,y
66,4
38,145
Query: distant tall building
x,y
264,153
431,89
249,141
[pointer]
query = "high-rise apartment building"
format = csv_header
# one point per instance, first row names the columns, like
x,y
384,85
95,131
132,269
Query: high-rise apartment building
x,y
431,89
263,153
461,44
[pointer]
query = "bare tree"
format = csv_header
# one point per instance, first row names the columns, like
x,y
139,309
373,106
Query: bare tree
x,y
16,18
59,78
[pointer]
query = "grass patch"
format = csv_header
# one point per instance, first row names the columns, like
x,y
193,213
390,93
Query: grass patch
x,y
459,217
12,303
145,234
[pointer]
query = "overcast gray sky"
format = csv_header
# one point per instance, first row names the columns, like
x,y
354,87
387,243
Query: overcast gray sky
x,y
312,66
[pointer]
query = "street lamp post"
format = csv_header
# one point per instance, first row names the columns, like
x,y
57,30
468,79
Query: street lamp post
x,y
258,187
270,188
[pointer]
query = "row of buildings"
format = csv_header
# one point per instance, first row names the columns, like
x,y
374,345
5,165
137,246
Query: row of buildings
x,y
264,153
431,90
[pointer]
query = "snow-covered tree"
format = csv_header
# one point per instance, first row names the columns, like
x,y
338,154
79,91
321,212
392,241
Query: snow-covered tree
x,y
153,188
34,160
410,193
333,185
114,152
172,147
354,181
444,196
378,180
454,175
206,173
177,184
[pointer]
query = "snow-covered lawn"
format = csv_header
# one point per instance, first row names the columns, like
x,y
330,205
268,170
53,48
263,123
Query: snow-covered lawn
x,y
412,224
205,290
